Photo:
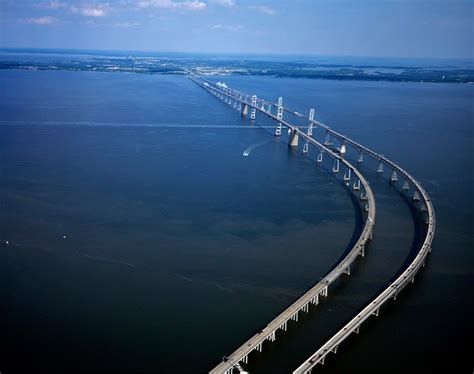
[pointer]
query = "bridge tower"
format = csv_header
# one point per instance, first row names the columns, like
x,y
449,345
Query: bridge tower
x,y
311,119
254,104
279,116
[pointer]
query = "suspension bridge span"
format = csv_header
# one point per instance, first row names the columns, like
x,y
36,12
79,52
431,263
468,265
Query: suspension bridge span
x,y
247,103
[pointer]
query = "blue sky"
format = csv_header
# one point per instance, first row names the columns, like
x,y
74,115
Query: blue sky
x,y
386,28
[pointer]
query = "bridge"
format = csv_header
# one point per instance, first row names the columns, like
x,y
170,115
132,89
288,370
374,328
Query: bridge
x,y
246,103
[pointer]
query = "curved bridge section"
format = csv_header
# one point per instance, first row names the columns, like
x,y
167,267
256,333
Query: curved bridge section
x,y
280,322
246,103
426,208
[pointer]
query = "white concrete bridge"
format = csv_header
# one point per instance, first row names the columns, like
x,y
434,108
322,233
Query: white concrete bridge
x,y
252,105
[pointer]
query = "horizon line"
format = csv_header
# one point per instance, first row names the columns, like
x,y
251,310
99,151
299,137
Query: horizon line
x,y
283,54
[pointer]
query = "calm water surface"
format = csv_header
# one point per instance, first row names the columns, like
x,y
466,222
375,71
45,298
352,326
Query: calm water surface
x,y
139,245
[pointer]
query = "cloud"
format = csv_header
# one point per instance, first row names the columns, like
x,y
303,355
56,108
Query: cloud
x,y
269,11
232,28
172,4
224,2
47,20
52,4
127,25
98,11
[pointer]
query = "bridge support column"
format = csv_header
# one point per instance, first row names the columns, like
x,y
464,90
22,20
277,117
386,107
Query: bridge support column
x,y
305,148
356,186
376,313
406,186
348,270
320,158
293,141
361,158
416,196
362,251
245,110
327,141
394,177
335,349
380,168
335,168
278,130
357,329
347,175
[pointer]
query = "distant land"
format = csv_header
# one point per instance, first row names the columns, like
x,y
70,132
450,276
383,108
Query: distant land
x,y
284,67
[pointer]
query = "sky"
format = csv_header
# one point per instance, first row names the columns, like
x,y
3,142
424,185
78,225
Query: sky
x,y
382,28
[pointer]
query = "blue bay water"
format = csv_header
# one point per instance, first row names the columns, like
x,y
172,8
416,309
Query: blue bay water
x,y
177,247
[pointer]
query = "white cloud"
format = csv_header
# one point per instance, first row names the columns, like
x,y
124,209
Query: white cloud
x,y
269,11
172,4
224,2
52,4
47,20
98,11
127,25
232,28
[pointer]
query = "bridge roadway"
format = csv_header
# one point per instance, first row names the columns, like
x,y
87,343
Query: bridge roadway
x,y
319,289
407,276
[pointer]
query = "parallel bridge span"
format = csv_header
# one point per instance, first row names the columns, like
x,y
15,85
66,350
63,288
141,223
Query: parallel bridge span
x,y
244,101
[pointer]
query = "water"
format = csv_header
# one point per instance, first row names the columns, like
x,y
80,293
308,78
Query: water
x,y
178,247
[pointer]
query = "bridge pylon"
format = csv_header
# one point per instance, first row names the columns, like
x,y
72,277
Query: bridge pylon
x,y
254,104
310,126
279,116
